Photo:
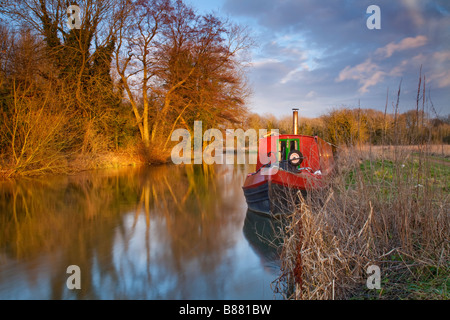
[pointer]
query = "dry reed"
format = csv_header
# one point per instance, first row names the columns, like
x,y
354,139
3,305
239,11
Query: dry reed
x,y
389,210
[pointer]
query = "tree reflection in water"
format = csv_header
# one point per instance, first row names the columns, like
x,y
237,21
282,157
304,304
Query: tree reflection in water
x,y
165,232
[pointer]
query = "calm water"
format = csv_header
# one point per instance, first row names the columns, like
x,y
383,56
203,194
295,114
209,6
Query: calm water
x,y
166,232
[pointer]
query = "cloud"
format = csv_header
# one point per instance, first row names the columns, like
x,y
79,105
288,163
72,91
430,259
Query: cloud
x,y
407,43
415,10
370,73
311,95
357,72
441,76
442,56
290,76
264,62
367,73
442,79
321,54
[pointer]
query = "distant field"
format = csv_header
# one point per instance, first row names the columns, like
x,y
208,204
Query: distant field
x,y
442,151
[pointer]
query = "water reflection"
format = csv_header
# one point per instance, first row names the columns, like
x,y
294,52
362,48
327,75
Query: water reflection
x,y
263,234
166,232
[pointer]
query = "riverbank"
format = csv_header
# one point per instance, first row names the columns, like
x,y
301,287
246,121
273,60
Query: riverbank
x,y
136,155
388,210
73,163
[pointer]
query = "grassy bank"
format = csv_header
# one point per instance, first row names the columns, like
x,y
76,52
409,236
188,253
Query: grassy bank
x,y
386,207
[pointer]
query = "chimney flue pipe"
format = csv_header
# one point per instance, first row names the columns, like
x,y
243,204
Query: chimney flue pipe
x,y
295,121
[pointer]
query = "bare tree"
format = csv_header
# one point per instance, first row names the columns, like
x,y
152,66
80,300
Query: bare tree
x,y
138,28
70,49
173,64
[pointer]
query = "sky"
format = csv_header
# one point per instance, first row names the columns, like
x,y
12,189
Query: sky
x,y
318,55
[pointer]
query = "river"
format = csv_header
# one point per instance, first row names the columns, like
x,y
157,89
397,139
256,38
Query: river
x,y
160,232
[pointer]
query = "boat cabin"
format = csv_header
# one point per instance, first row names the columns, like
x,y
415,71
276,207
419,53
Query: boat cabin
x,y
297,152
303,163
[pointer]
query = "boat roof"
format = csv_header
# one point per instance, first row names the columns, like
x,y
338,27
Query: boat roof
x,y
290,136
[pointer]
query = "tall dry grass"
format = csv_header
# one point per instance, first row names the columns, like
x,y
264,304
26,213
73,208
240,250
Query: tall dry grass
x,y
387,208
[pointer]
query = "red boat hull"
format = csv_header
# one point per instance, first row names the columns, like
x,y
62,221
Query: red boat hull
x,y
276,191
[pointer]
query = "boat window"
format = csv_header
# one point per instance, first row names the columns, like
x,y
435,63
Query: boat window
x,y
283,150
285,147
293,145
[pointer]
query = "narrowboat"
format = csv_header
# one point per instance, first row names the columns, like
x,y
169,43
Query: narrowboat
x,y
287,164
